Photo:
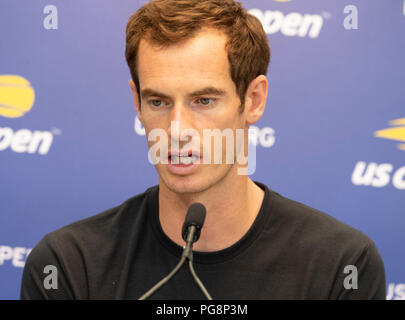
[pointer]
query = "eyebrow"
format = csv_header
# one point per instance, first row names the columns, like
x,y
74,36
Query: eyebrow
x,y
204,91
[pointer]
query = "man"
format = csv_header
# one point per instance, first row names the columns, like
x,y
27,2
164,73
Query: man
x,y
199,65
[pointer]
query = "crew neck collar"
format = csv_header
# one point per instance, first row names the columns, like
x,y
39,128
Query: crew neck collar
x,y
213,256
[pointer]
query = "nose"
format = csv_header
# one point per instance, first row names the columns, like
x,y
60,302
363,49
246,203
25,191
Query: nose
x,y
181,121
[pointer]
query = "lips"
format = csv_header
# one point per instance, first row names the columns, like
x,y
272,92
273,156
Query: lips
x,y
184,157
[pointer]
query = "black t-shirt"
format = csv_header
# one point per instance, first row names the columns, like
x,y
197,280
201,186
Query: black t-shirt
x,y
291,251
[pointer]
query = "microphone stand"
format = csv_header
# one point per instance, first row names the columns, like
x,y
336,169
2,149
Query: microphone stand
x,y
198,281
186,255
163,281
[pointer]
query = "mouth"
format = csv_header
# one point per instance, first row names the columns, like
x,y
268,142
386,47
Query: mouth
x,y
184,158
183,163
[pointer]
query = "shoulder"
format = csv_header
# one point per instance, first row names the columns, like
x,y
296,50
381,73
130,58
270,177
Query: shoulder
x,y
315,227
329,246
108,223
85,248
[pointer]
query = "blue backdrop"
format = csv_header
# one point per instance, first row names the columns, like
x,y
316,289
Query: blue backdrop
x,y
332,136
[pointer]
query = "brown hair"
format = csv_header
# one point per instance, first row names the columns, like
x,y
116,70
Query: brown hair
x,y
166,22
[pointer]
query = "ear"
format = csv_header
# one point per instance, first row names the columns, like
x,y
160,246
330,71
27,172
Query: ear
x,y
136,99
255,99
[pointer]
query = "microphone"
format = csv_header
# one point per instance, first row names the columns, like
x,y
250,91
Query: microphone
x,y
192,228
191,233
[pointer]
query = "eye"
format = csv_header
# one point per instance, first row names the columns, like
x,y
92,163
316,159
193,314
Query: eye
x,y
156,103
206,101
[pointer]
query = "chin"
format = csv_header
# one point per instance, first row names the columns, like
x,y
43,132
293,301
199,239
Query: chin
x,y
194,183
186,184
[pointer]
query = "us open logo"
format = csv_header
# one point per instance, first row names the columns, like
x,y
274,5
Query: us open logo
x,y
17,97
396,132
293,24
379,175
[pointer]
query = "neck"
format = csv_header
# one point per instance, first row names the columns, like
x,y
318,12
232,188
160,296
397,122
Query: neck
x,y
232,206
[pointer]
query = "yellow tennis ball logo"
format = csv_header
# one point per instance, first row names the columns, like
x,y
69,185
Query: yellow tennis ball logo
x,y
16,96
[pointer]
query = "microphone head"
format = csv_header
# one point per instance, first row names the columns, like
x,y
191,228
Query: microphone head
x,y
195,217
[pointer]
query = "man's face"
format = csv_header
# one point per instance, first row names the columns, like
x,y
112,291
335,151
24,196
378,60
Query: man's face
x,y
189,83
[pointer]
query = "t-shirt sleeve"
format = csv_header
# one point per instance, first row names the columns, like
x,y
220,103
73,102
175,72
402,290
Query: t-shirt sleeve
x,y
363,279
43,276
